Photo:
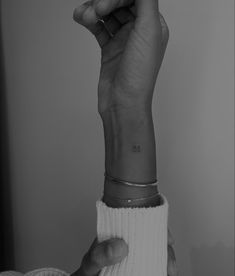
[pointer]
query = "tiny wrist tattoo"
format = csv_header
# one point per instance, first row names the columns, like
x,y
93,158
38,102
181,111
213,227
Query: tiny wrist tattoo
x,y
136,148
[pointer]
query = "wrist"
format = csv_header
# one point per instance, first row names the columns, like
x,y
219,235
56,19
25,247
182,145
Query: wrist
x,y
130,152
119,194
123,103
130,120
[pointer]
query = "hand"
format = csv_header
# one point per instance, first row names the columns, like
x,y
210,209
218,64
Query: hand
x,y
113,251
102,254
133,36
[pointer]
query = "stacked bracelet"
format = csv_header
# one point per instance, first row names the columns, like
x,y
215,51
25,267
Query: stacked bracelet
x,y
130,201
133,200
140,185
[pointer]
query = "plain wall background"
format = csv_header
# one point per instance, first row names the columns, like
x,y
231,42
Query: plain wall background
x,y
56,136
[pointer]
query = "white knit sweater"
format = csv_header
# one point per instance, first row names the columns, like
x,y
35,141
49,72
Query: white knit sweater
x,y
143,229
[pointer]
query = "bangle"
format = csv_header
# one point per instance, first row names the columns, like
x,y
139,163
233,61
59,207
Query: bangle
x,y
140,185
132,200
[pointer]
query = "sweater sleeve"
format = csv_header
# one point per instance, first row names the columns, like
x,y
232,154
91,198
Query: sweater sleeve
x,y
145,232
49,271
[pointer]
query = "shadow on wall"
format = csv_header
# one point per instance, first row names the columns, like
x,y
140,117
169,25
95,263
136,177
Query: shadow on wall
x,y
6,229
217,260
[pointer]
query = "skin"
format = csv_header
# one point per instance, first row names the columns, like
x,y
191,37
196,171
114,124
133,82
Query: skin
x,y
133,41
133,37
113,251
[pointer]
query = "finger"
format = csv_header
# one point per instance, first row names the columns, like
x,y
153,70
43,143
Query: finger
x,y
104,7
143,7
165,31
124,15
171,240
86,16
171,265
86,11
103,254
148,18
112,24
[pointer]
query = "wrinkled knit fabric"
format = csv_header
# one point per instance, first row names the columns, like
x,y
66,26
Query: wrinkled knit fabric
x,y
37,272
145,232
143,229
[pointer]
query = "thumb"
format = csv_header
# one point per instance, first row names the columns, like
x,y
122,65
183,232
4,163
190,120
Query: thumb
x,y
103,254
143,7
147,8
105,7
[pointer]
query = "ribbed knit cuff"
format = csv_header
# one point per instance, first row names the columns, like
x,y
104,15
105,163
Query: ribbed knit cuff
x,y
37,272
145,232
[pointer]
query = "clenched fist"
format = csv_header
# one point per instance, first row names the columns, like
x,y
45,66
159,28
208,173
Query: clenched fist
x,y
133,36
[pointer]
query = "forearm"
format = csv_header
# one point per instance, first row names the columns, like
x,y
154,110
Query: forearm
x,y
130,155
133,38
130,151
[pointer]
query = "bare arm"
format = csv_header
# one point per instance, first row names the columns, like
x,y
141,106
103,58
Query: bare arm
x,y
130,155
133,37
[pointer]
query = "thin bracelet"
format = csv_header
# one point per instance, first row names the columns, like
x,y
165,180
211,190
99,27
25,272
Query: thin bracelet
x,y
130,200
140,185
